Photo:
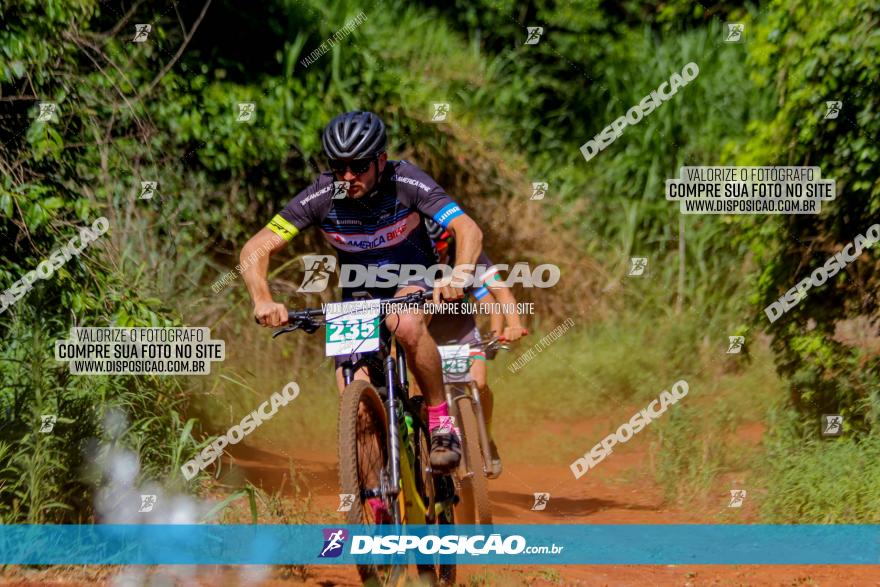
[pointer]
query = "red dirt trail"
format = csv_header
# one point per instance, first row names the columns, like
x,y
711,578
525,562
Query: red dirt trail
x,y
618,491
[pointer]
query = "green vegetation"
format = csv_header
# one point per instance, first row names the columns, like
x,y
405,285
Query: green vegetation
x,y
822,482
131,112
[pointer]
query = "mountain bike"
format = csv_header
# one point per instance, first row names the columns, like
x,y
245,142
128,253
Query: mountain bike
x,y
383,437
463,398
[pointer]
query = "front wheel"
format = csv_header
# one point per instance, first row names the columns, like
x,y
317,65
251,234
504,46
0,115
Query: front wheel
x,y
363,467
474,507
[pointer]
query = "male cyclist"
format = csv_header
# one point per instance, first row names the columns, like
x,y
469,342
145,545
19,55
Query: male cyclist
x,y
462,328
377,222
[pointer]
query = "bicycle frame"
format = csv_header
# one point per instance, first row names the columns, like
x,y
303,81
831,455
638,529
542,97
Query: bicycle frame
x,y
398,404
465,386
402,471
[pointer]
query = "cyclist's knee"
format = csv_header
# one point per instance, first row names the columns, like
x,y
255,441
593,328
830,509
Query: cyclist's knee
x,y
410,328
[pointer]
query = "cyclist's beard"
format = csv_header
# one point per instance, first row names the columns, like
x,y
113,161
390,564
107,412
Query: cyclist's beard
x,y
368,186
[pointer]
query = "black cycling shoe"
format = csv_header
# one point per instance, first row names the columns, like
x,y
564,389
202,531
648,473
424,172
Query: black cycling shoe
x,y
445,450
495,463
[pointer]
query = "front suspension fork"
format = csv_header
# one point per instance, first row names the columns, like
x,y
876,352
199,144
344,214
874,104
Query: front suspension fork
x,y
481,426
454,393
393,428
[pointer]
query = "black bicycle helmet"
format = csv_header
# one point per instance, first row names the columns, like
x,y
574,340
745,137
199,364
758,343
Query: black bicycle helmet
x,y
354,135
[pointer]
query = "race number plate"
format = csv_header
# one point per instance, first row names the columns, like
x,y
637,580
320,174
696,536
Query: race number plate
x,y
352,327
455,358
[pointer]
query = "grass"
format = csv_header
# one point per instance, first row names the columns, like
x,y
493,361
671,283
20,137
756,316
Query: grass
x,y
611,363
701,438
600,371
258,366
604,371
596,376
828,481
43,476
549,575
172,251
485,579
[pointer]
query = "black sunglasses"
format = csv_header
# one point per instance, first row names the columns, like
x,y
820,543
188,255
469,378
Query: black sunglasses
x,y
357,165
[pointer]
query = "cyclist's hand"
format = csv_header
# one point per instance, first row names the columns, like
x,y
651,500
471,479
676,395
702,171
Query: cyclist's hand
x,y
448,293
513,333
270,314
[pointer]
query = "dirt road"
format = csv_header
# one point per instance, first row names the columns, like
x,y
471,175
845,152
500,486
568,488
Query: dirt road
x,y
619,491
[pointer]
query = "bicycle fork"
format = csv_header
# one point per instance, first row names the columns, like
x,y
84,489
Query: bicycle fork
x,y
483,429
473,394
393,431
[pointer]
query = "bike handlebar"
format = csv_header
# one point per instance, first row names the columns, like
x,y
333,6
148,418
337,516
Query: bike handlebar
x,y
306,319
502,339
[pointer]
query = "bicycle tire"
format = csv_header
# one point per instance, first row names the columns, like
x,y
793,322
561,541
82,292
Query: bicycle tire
x,y
425,482
446,573
348,445
475,505
435,574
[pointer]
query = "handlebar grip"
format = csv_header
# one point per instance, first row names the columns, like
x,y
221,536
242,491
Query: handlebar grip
x,y
501,337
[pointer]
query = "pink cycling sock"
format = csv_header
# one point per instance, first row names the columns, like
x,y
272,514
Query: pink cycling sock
x,y
438,416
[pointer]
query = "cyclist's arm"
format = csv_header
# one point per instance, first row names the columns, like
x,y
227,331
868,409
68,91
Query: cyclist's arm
x,y
496,320
299,213
258,249
466,252
468,242
492,283
510,316
488,301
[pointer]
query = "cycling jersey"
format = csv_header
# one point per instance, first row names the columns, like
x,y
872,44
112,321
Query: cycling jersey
x,y
382,227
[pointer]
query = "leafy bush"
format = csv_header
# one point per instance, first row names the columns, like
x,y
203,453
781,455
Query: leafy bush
x,y
812,52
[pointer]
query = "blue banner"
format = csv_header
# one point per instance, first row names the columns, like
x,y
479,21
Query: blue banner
x,y
499,544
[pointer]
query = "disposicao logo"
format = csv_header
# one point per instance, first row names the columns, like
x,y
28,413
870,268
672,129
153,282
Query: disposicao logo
x,y
334,540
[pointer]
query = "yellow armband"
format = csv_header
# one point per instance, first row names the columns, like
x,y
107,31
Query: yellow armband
x,y
282,227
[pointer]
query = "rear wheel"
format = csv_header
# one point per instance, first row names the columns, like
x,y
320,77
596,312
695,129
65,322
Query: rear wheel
x,y
363,466
474,507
